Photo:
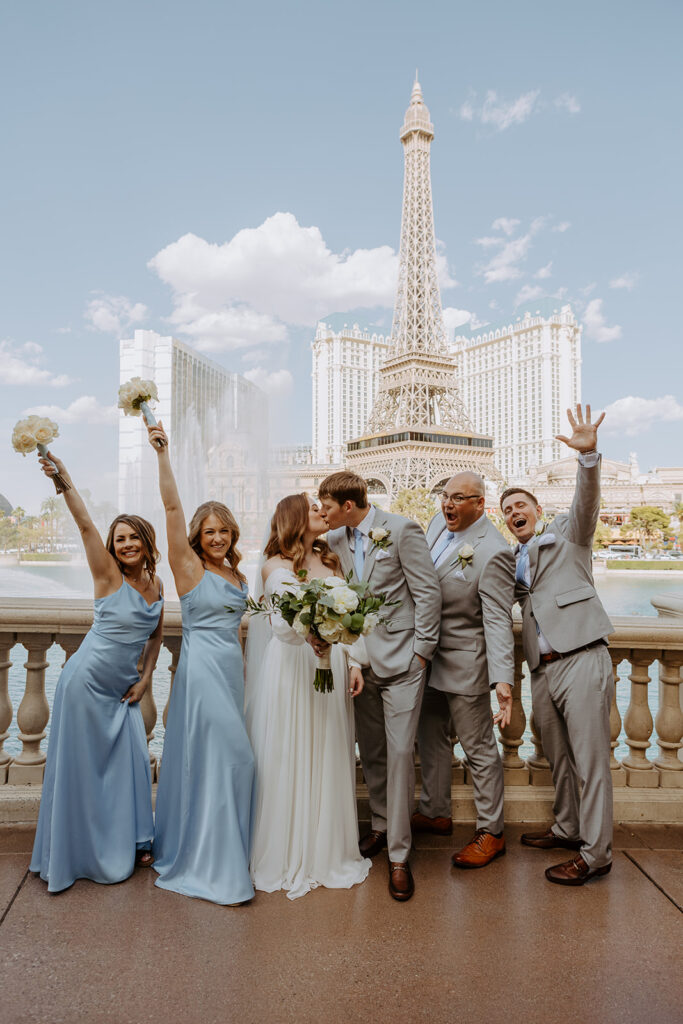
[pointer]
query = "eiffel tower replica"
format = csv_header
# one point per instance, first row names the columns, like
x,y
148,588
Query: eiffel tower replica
x,y
419,433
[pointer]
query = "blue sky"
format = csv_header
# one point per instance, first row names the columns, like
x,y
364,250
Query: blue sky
x,y
230,173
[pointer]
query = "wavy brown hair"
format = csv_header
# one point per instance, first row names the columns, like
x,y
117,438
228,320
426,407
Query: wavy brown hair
x,y
145,531
287,529
222,512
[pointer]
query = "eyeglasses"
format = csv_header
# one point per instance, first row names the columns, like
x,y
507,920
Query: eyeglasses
x,y
457,499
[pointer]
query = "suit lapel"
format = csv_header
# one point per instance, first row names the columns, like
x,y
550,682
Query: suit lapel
x,y
371,556
452,563
532,551
344,552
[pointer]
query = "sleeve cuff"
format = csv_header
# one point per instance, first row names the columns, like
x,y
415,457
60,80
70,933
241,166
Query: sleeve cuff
x,y
589,459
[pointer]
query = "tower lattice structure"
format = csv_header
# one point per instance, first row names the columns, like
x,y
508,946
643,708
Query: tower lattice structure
x,y
419,433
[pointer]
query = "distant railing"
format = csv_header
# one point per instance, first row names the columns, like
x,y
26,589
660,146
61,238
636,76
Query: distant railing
x,y
637,644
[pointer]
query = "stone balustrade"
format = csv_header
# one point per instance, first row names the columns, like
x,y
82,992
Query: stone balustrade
x,y
637,645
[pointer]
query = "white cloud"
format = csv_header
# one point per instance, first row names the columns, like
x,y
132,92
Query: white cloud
x,y
563,226
280,269
20,365
505,224
501,114
596,327
631,415
544,272
527,293
276,384
568,102
454,318
114,314
85,409
226,328
627,281
511,251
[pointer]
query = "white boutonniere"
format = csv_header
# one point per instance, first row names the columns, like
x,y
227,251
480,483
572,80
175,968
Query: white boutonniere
x,y
539,528
465,556
380,538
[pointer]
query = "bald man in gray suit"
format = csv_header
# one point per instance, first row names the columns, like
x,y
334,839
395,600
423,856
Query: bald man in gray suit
x,y
564,633
476,571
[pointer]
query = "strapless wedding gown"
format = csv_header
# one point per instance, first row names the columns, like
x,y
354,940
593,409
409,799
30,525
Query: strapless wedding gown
x,y
305,829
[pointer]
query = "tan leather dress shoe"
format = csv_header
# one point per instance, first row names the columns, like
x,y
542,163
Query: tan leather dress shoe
x,y
548,840
436,826
574,872
401,884
481,850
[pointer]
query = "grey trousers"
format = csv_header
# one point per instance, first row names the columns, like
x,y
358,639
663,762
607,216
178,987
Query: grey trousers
x,y
386,722
473,724
571,699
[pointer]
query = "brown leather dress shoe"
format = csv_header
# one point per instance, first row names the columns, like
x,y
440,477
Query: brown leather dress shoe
x,y
371,844
401,884
481,850
548,840
575,872
437,826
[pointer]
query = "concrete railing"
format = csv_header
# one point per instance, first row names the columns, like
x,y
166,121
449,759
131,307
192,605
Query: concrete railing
x,y
637,644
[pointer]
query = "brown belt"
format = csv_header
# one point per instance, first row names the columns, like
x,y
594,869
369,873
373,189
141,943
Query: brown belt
x,y
556,656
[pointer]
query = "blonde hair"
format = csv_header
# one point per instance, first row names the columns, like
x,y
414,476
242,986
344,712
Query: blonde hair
x,y
223,513
145,531
287,529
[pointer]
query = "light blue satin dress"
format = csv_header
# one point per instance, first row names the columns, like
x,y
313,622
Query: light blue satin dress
x,y
96,806
202,833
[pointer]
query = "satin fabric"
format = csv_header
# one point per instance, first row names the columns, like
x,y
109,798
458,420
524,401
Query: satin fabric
x,y
96,805
306,830
204,801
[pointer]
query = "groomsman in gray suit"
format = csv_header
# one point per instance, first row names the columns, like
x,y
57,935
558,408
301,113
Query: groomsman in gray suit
x,y
476,570
564,635
391,553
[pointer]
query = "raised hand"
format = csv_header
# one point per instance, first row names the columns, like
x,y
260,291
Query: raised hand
x,y
585,434
157,436
54,467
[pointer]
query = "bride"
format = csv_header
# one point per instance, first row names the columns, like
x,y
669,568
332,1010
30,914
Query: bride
x,y
306,830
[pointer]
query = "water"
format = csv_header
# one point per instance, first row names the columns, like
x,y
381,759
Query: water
x,y
629,593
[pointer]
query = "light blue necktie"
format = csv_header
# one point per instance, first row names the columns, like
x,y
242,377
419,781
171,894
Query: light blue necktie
x,y
358,555
522,565
441,545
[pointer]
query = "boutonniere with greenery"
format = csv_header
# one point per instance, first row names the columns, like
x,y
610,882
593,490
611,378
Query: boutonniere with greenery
x,y
540,527
380,538
465,556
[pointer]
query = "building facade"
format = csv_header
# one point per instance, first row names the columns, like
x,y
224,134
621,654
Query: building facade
x,y
345,374
517,380
217,423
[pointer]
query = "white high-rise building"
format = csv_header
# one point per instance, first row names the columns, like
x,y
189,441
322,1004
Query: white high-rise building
x,y
517,380
217,424
346,364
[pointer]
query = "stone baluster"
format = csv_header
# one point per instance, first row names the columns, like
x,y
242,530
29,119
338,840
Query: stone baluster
x,y
515,770
640,772
33,714
669,721
6,645
171,643
618,772
69,642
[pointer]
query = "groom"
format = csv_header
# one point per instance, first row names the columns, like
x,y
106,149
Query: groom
x,y
391,552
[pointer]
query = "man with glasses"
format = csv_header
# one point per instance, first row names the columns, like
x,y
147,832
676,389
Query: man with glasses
x,y
475,654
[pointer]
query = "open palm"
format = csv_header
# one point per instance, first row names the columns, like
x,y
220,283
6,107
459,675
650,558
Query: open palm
x,y
585,434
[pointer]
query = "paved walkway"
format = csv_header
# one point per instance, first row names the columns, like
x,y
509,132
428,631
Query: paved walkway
x,y
498,945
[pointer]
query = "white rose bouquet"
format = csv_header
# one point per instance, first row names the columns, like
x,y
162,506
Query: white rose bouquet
x,y
37,432
334,610
134,398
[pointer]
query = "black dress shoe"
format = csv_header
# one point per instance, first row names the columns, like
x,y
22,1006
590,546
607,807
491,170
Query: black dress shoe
x,y
548,840
373,843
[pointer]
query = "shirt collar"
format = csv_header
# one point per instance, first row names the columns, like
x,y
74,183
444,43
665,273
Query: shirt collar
x,y
365,525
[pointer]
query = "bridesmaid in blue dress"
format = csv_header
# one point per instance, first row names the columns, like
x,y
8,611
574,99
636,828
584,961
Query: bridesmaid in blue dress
x,y
95,815
202,831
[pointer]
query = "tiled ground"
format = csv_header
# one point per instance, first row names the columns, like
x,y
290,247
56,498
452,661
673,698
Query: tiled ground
x,y
496,945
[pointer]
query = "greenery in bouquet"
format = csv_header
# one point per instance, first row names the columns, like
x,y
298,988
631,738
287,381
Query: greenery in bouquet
x,y
333,610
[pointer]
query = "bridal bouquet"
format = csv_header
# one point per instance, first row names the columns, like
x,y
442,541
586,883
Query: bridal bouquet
x,y
134,398
334,610
37,432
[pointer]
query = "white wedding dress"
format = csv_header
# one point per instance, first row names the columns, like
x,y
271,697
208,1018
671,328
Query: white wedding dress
x,y
305,829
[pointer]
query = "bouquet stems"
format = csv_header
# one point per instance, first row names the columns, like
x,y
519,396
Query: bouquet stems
x,y
323,681
150,421
60,483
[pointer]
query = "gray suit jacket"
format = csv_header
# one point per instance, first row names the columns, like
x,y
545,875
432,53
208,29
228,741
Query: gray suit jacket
x,y
561,595
476,645
404,571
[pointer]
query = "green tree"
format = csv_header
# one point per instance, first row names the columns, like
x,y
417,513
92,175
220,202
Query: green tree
x,y
649,521
602,537
499,523
417,504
